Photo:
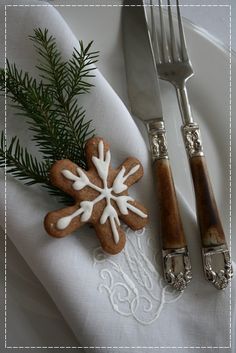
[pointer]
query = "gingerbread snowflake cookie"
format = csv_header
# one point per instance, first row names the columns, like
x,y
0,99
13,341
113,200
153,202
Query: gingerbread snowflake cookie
x,y
101,197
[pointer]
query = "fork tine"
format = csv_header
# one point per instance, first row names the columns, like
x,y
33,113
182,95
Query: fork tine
x,y
184,52
165,51
174,51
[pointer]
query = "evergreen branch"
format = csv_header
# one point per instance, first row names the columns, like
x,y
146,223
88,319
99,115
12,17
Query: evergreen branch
x,y
21,164
34,101
79,69
62,197
2,80
51,66
51,109
65,81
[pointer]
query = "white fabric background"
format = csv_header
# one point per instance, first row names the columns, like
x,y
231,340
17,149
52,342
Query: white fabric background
x,y
79,305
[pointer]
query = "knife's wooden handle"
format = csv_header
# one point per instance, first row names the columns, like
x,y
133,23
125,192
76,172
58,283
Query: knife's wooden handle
x,y
171,225
210,225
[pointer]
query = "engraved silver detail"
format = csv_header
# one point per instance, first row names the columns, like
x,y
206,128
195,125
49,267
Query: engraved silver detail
x,y
157,139
177,268
220,273
192,140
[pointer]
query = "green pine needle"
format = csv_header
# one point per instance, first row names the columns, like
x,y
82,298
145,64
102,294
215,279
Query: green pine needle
x,y
22,164
50,107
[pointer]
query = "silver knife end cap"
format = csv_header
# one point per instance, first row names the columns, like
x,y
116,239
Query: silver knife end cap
x,y
177,268
217,266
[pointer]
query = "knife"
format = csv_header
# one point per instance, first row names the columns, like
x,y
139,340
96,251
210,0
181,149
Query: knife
x,y
145,102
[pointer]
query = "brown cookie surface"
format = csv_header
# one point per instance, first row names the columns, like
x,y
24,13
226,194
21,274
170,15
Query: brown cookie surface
x,y
100,194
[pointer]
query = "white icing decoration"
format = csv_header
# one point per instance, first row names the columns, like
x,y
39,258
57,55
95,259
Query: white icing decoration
x,y
122,203
114,229
88,209
108,212
102,164
79,182
65,221
118,185
136,210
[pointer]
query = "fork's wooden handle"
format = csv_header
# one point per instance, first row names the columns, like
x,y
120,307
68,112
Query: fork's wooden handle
x,y
171,225
210,225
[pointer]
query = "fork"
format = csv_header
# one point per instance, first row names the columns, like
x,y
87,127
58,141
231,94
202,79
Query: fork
x,y
173,65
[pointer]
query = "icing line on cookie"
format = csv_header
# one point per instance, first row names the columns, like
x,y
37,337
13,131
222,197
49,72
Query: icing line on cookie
x,y
102,164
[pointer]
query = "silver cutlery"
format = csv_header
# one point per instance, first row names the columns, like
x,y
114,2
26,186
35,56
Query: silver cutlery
x,y
173,65
145,102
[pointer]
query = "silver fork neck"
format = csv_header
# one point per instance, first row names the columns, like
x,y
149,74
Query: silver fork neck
x,y
184,105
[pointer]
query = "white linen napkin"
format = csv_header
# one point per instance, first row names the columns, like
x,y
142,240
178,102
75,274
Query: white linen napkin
x,y
108,301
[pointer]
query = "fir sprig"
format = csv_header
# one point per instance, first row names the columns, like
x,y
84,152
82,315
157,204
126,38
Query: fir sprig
x,y
22,164
51,108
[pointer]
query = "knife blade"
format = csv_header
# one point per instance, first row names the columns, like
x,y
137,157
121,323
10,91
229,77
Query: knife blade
x,y
145,103
143,86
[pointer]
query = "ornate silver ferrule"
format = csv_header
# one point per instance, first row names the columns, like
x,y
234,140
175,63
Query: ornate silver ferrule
x,y
157,139
177,268
192,140
217,265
